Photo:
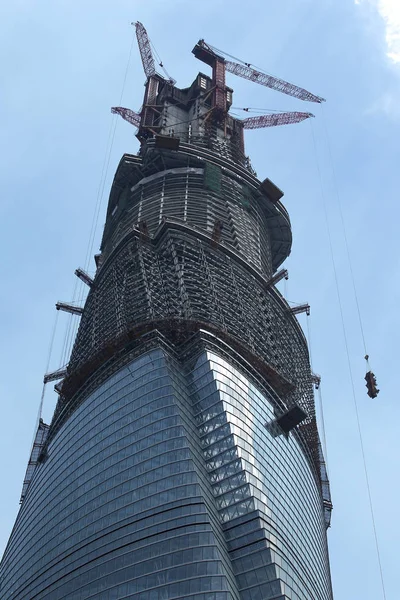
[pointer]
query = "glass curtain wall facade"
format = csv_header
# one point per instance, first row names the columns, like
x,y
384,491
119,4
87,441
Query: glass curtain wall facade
x,y
174,466
164,483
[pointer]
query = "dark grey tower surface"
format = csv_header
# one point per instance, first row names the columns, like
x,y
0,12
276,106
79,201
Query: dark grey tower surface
x,y
183,458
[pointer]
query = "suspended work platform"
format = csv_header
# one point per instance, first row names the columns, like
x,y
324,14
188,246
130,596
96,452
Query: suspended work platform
x,y
39,441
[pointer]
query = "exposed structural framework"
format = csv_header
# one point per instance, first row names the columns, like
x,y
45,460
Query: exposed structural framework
x,y
271,120
183,459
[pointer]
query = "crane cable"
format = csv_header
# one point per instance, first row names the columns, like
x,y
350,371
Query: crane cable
x,y
349,364
78,296
350,263
321,408
262,110
80,292
224,54
68,329
79,287
158,58
105,167
49,353
98,200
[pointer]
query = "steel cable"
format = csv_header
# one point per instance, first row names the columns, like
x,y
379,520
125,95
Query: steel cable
x,y
349,364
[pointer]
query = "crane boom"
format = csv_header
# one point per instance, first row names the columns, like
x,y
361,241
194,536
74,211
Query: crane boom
x,y
272,82
145,50
274,119
126,113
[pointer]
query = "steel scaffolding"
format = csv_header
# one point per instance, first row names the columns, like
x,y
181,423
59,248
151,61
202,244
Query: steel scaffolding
x,y
162,269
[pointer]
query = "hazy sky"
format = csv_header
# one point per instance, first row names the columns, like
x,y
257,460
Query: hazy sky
x,y
63,68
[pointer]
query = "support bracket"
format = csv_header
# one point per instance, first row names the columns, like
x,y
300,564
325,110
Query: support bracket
x,y
295,310
83,276
70,308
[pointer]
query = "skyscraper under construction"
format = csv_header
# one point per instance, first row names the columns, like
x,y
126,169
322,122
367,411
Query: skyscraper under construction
x,y
183,459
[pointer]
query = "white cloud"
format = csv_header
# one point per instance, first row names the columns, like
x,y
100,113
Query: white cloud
x,y
389,10
387,104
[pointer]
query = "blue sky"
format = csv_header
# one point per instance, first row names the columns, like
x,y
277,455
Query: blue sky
x,y
63,68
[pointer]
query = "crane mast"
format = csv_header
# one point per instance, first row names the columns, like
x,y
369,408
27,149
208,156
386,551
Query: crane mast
x,y
206,54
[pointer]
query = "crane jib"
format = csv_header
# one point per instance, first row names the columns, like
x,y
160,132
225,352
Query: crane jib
x,y
272,82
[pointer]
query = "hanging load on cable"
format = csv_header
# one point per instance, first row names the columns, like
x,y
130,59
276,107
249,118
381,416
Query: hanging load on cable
x,y
371,384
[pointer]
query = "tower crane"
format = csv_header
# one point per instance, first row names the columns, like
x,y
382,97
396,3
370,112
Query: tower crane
x,y
149,112
219,64
126,113
274,119
274,83
271,120
145,49
146,53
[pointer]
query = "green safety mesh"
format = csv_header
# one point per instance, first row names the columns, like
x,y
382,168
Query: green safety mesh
x,y
212,177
